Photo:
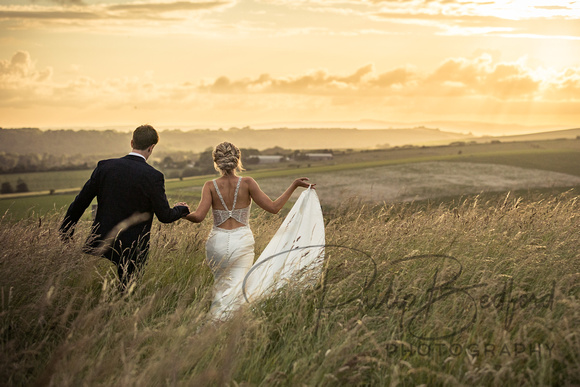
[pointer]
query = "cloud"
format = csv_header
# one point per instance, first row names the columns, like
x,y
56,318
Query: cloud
x,y
21,83
552,18
482,77
566,85
317,82
544,18
167,7
20,71
160,11
31,14
454,77
68,2
452,4
460,85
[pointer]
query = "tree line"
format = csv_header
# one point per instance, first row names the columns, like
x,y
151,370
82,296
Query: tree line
x,y
112,142
6,187
36,162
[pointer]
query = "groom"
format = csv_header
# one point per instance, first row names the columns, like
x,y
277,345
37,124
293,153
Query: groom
x,y
128,192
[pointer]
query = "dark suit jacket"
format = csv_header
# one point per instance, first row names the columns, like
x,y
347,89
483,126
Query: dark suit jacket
x,y
128,192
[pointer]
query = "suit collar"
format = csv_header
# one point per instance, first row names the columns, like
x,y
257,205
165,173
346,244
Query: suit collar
x,y
137,154
135,157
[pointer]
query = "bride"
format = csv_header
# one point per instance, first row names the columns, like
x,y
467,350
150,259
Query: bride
x,y
230,245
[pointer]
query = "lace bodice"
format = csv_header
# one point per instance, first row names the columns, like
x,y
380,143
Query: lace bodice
x,y
242,215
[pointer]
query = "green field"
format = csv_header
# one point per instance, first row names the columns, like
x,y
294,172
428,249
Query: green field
x,y
45,181
561,156
34,206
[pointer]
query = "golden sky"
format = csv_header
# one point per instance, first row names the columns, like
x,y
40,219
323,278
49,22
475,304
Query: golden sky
x,y
66,63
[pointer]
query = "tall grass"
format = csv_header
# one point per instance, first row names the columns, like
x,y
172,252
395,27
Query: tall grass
x,y
402,301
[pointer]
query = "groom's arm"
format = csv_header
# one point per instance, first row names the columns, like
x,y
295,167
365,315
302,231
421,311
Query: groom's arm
x,y
161,208
79,205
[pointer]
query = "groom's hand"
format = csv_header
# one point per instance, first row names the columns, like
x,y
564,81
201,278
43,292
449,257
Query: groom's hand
x,y
183,204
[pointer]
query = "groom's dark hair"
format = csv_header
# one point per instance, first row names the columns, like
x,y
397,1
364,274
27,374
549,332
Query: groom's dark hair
x,y
145,136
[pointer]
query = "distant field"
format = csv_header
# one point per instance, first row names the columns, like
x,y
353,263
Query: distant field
x,y
26,207
57,180
425,180
44,181
557,161
369,175
413,174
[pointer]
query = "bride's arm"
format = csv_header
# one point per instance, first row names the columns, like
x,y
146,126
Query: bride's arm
x,y
203,206
274,206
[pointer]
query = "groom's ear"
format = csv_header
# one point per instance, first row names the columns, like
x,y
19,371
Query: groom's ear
x,y
151,148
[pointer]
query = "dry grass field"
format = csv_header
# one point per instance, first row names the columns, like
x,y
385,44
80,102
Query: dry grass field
x,y
472,292
477,288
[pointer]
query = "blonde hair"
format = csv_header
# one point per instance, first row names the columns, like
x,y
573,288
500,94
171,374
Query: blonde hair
x,y
226,158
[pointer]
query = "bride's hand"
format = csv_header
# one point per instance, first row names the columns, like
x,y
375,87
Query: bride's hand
x,y
303,182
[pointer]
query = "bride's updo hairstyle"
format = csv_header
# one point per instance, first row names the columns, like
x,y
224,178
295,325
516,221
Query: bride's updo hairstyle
x,y
227,158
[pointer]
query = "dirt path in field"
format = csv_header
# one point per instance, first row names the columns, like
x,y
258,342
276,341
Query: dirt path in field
x,y
418,181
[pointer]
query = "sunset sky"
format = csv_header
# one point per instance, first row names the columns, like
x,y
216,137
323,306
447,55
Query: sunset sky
x,y
67,63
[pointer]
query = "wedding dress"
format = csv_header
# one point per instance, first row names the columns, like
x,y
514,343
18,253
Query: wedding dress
x,y
229,254
296,249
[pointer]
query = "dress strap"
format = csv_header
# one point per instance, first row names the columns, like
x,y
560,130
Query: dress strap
x,y
236,193
220,196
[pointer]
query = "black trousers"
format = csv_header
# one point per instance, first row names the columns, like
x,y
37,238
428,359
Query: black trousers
x,y
128,260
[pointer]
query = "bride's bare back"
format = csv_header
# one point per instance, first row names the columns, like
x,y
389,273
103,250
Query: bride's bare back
x,y
248,191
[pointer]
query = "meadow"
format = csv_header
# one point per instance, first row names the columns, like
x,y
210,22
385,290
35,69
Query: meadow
x,y
562,156
45,181
469,289
473,291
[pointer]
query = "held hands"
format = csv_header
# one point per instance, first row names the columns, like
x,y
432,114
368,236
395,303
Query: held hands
x,y
303,182
183,204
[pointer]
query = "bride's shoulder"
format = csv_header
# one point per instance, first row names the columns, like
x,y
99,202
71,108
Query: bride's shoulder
x,y
249,182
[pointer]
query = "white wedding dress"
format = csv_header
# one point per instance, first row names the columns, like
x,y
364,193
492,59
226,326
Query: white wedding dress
x,y
295,252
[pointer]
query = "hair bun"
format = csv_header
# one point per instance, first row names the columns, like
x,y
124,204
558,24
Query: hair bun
x,y
226,157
